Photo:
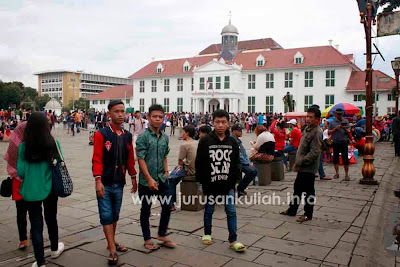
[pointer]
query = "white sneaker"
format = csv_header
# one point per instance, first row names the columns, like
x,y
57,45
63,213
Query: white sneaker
x,y
35,265
56,254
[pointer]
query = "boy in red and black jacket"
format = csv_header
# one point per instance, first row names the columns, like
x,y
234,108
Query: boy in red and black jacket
x,y
112,156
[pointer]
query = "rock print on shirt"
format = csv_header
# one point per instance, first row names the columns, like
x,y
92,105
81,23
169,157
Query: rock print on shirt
x,y
220,156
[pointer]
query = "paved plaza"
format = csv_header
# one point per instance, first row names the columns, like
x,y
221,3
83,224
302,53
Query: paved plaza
x,y
351,225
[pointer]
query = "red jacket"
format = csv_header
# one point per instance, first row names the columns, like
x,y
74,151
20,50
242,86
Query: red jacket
x,y
279,137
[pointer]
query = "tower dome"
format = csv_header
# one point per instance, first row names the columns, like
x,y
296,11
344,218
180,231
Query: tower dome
x,y
230,29
229,40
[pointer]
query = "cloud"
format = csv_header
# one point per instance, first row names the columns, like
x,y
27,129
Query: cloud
x,y
121,36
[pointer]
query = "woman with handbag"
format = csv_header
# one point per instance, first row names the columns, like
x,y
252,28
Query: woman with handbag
x,y
35,156
11,157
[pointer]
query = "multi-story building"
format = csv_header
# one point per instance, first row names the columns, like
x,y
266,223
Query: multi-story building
x,y
68,85
254,76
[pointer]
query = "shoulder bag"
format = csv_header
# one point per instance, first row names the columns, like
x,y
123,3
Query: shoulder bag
x,y
62,182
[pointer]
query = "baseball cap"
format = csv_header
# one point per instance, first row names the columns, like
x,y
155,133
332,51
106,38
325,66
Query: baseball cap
x,y
237,127
293,121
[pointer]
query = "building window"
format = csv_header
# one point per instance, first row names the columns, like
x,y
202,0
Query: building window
x,y
166,85
251,104
154,101
288,79
180,85
391,111
373,97
330,78
217,82
102,102
201,86
166,105
390,97
299,60
329,100
191,105
141,104
94,102
358,98
260,63
192,88
251,81
227,82
141,87
210,83
159,70
269,104
179,107
154,85
309,79
127,101
269,78
186,68
308,102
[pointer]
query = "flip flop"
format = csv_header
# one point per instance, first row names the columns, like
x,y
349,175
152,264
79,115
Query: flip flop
x,y
112,259
121,248
238,247
167,243
206,239
151,246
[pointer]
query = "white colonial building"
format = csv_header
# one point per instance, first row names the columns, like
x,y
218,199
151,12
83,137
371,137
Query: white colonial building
x,y
100,101
254,76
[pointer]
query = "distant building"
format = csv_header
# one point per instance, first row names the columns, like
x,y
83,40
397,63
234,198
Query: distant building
x,y
120,92
254,76
66,85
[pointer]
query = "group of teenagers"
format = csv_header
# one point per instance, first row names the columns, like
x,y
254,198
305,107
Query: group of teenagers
x,y
220,159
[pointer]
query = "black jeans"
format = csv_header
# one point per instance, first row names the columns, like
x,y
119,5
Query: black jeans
x,y
250,173
341,148
22,210
304,183
36,219
396,140
146,196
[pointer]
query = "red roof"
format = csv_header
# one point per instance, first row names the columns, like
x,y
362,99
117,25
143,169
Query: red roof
x,y
266,43
357,81
116,92
279,58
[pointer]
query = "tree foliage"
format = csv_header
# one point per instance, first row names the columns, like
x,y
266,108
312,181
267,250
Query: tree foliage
x,y
390,5
81,104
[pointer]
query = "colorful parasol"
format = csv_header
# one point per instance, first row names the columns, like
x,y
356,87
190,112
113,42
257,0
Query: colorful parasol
x,y
348,109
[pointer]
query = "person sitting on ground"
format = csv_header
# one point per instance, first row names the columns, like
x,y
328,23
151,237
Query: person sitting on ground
x,y
250,172
186,161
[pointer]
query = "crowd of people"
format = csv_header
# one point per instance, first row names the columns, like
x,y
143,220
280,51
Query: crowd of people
x,y
211,150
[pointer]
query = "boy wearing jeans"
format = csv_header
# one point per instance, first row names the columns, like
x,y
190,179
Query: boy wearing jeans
x,y
112,156
217,169
152,148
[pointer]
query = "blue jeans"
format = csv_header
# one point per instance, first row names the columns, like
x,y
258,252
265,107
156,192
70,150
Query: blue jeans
x,y
174,179
230,216
110,205
250,173
321,167
164,197
287,149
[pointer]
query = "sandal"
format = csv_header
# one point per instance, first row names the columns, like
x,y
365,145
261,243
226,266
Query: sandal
x,y
167,243
336,176
302,219
206,239
151,246
347,178
23,245
120,248
113,259
238,247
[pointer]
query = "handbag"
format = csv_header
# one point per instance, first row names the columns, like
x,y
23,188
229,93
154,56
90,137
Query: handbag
x,y
62,182
6,187
262,157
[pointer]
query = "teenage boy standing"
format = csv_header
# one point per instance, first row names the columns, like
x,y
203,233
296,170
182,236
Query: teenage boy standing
x,y
152,148
217,169
112,156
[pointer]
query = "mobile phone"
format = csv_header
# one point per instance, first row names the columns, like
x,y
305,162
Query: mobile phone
x,y
344,124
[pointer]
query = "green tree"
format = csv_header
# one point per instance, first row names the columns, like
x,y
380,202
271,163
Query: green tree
x,y
41,101
81,104
390,5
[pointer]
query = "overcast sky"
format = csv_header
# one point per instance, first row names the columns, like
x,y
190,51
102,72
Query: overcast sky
x,y
118,37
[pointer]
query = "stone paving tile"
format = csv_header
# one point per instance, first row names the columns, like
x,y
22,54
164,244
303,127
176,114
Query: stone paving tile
x,y
293,247
191,257
241,263
77,257
344,246
349,237
279,261
277,233
223,249
222,234
339,256
335,216
74,213
191,241
143,260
